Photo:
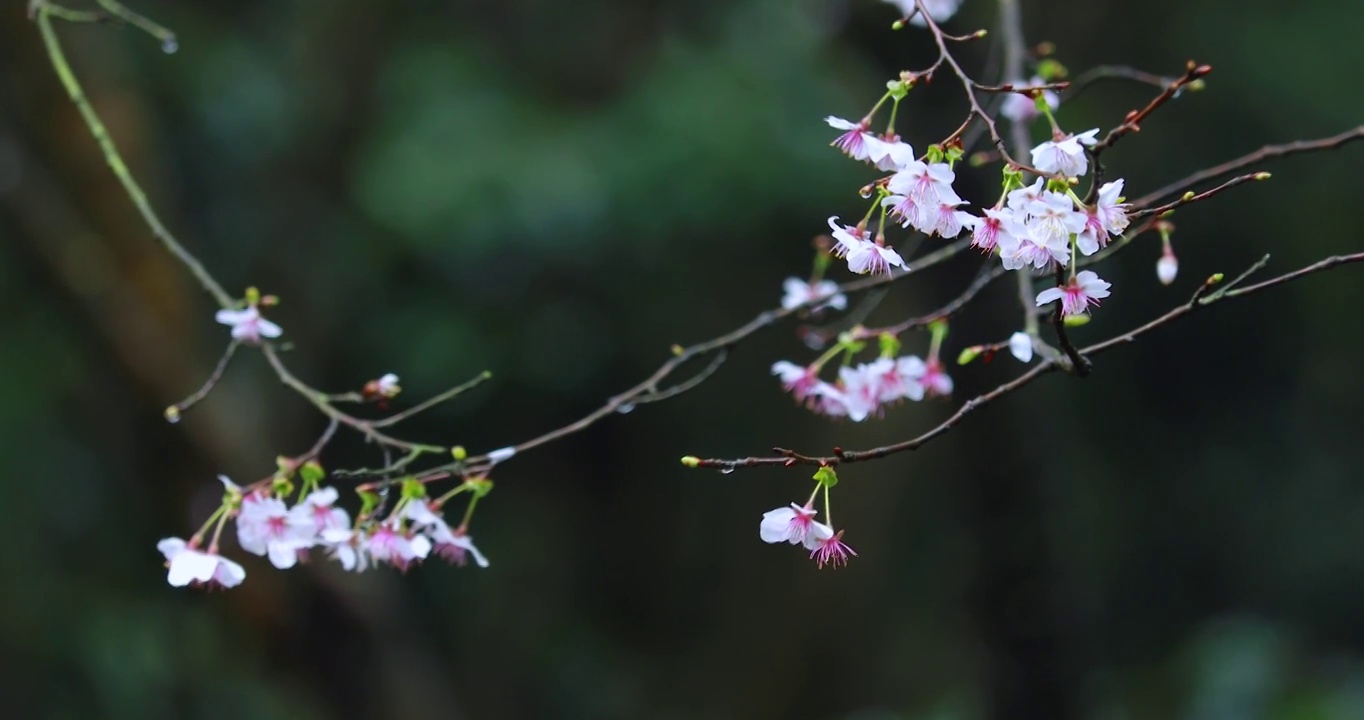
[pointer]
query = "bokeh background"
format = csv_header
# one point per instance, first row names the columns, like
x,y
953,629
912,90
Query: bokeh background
x,y
558,192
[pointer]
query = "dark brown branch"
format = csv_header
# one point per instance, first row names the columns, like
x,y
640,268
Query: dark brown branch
x,y
1132,123
1254,158
1191,198
1100,73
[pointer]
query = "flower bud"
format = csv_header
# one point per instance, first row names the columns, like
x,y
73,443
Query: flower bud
x,y
691,461
969,354
1166,268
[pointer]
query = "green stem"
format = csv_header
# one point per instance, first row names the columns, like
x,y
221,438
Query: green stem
x,y
115,160
163,34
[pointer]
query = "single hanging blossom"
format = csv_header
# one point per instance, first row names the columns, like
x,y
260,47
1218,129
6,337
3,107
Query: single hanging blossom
x,y
935,380
1167,267
1065,156
863,255
1020,346
939,10
799,292
795,525
1083,290
1021,108
857,143
191,565
247,324
1107,217
830,549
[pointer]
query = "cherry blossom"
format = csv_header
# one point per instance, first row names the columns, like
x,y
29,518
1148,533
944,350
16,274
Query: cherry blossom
x,y
795,525
1065,156
863,255
1052,219
1107,217
265,526
918,192
800,292
795,379
1083,290
388,385
999,226
861,392
1020,346
319,508
1020,251
348,547
856,143
894,156
829,548
898,378
946,221
248,325
1021,108
400,549
190,565
935,380
939,10
828,399
453,545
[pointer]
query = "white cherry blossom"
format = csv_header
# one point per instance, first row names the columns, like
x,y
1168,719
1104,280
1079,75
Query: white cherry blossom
x,y
248,325
818,295
1020,346
191,565
1065,156
795,525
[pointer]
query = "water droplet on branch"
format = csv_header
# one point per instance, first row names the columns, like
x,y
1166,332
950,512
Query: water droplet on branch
x,y
170,45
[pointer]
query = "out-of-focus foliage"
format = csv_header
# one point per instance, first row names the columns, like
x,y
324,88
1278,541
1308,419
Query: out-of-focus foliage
x,y
558,192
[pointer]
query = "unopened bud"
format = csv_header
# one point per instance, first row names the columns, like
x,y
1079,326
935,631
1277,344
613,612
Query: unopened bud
x,y
1262,176
691,461
898,25
1166,268
459,453
969,354
1072,321
173,414
252,296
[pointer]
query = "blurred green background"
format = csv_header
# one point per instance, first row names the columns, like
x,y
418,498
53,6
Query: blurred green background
x,y
558,192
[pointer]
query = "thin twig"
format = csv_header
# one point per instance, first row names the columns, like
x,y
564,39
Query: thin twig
x,y
1203,297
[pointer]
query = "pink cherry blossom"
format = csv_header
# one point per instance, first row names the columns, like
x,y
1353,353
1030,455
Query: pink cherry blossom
x,y
829,548
861,392
935,380
897,378
1084,289
1065,156
319,508
918,192
1107,217
800,292
348,546
248,325
856,143
454,545
190,565
863,255
795,379
828,399
398,548
795,525
999,226
1052,219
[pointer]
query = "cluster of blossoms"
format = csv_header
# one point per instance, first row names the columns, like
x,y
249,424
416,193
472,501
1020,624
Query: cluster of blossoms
x,y
268,526
796,525
865,389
